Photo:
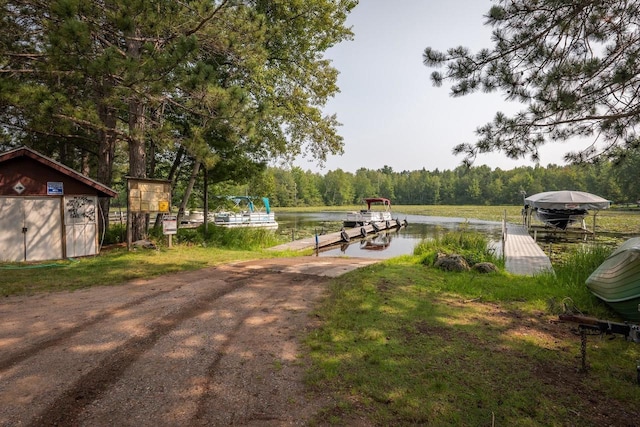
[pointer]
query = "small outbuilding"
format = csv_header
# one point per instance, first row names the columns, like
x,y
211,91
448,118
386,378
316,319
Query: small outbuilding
x,y
47,210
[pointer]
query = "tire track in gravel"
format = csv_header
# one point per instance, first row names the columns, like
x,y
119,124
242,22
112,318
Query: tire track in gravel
x,y
199,417
58,338
65,409
164,350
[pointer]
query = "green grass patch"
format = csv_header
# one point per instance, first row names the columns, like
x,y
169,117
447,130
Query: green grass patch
x,y
192,249
472,246
569,280
405,344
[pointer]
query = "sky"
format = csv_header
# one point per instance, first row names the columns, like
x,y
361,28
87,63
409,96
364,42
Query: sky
x,y
391,113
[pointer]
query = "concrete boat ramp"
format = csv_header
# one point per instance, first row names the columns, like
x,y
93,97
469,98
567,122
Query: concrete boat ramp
x,y
522,254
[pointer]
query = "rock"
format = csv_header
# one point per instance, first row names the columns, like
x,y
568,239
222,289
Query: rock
x,y
485,267
147,244
453,262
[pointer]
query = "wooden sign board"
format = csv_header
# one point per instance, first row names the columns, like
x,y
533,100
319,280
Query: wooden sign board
x,y
147,195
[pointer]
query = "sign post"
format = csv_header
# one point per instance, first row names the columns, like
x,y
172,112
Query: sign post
x,y
169,226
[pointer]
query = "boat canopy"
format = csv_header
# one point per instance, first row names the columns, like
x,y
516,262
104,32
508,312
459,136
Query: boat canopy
x,y
371,200
248,200
566,200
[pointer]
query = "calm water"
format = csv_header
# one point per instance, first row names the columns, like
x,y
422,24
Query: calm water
x,y
386,244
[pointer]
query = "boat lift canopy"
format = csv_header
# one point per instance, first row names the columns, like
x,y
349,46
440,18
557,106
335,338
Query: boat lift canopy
x,y
567,200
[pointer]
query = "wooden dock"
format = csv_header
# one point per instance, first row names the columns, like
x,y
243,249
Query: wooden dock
x,y
343,236
522,254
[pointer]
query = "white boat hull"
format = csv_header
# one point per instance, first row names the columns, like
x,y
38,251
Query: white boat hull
x,y
365,217
253,219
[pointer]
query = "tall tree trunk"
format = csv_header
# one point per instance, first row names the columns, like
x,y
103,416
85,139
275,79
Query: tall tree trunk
x,y
187,191
137,151
85,169
106,153
174,167
137,161
206,199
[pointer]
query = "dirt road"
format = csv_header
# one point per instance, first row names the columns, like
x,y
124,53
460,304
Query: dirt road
x,y
218,346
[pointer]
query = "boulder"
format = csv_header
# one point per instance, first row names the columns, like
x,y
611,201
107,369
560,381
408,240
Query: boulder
x,y
485,267
453,262
144,243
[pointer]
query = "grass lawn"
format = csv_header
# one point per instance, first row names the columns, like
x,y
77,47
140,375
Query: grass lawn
x,y
404,344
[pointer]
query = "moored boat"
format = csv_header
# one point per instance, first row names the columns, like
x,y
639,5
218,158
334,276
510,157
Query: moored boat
x,y
617,280
245,214
559,209
378,210
560,218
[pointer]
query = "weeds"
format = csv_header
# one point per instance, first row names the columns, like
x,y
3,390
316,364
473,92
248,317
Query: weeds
x,y
473,246
568,280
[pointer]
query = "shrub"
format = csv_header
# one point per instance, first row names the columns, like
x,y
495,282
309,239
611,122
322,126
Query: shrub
x,y
473,246
116,233
230,238
569,277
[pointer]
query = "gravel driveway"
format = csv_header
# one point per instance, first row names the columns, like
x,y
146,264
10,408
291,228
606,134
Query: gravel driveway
x,y
217,346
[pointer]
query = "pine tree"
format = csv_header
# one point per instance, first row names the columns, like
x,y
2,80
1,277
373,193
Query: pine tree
x,y
574,65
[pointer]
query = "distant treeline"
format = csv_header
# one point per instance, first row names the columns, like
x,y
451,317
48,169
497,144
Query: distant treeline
x,y
479,185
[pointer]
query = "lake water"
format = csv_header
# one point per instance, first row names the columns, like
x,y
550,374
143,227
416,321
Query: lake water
x,y
385,244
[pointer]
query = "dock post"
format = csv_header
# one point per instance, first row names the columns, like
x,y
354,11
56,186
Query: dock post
x,y
504,234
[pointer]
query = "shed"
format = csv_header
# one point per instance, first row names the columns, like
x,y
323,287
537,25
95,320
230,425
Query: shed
x,y
47,210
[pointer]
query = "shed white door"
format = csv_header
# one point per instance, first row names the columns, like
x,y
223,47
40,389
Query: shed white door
x,y
80,225
11,223
30,229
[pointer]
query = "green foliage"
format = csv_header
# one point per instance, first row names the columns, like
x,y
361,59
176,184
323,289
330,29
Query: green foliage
x,y
479,185
570,277
232,85
573,65
240,238
116,233
190,236
473,246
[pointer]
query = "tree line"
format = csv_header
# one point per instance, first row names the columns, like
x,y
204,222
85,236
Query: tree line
x,y
476,185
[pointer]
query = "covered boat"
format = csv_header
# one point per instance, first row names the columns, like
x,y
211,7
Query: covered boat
x,y
559,209
560,218
617,280
378,210
245,214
